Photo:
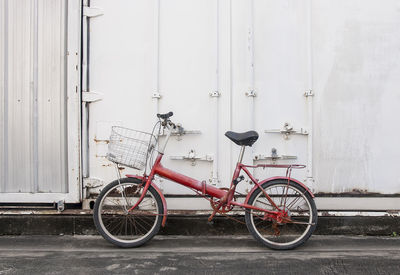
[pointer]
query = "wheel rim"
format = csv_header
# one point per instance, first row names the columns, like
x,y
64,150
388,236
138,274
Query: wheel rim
x,y
121,224
299,210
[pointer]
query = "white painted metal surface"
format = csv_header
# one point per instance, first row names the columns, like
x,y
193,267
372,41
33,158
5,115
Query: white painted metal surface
x,y
356,47
328,68
318,80
183,54
40,99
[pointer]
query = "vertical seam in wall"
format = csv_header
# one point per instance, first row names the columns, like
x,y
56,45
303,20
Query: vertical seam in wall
x,y
158,49
157,60
65,187
252,74
35,98
251,56
85,87
310,99
230,85
88,89
215,175
252,80
5,107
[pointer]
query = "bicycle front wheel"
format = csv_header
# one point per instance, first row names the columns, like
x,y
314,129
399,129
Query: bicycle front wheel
x,y
120,225
292,231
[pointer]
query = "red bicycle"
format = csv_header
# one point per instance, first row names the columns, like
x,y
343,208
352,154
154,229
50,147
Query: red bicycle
x,y
279,212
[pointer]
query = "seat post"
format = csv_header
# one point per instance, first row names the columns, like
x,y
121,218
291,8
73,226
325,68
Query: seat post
x,y
241,154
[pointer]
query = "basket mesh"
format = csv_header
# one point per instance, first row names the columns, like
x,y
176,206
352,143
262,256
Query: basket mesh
x,y
130,147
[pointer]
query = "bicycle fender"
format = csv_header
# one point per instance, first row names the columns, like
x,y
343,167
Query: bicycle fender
x,y
278,178
164,202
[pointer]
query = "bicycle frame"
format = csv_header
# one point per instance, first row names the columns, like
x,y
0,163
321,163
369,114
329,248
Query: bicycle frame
x,y
226,197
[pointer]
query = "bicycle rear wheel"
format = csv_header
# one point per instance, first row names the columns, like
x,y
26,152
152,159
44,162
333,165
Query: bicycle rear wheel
x,y
124,227
296,228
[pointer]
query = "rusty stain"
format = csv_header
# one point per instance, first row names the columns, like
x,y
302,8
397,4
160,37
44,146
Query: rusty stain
x,y
359,191
121,168
326,213
353,192
128,191
356,192
45,212
101,141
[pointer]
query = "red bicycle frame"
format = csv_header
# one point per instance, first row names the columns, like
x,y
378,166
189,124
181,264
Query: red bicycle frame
x,y
225,196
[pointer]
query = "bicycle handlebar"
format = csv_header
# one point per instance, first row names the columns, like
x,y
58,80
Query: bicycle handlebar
x,y
166,119
165,116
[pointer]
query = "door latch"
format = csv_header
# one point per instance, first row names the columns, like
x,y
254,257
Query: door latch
x,y
288,130
274,156
193,157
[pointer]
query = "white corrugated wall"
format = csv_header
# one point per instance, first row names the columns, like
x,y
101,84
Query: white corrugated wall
x,y
35,93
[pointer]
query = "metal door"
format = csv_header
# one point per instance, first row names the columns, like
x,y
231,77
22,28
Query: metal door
x,y
39,99
143,60
196,58
270,76
241,65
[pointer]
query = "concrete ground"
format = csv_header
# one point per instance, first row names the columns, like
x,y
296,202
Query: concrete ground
x,y
198,255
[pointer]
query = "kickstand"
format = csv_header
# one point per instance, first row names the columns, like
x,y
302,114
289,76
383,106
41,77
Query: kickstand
x,y
212,216
214,212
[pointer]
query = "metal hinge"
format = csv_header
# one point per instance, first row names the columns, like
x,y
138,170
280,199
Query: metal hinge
x,y
91,96
215,94
288,130
192,156
308,93
60,206
92,11
252,93
156,95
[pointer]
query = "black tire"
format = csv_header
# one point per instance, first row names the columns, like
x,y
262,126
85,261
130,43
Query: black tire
x,y
270,225
98,217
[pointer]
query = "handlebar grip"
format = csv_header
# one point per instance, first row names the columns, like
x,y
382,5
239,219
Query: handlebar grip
x,y
165,116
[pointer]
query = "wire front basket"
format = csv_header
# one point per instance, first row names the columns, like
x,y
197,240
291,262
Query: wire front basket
x,y
130,147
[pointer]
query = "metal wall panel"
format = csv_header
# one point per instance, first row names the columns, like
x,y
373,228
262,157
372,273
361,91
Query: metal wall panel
x,y
191,50
269,57
19,172
284,52
52,95
180,49
111,69
357,56
190,82
33,92
3,88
